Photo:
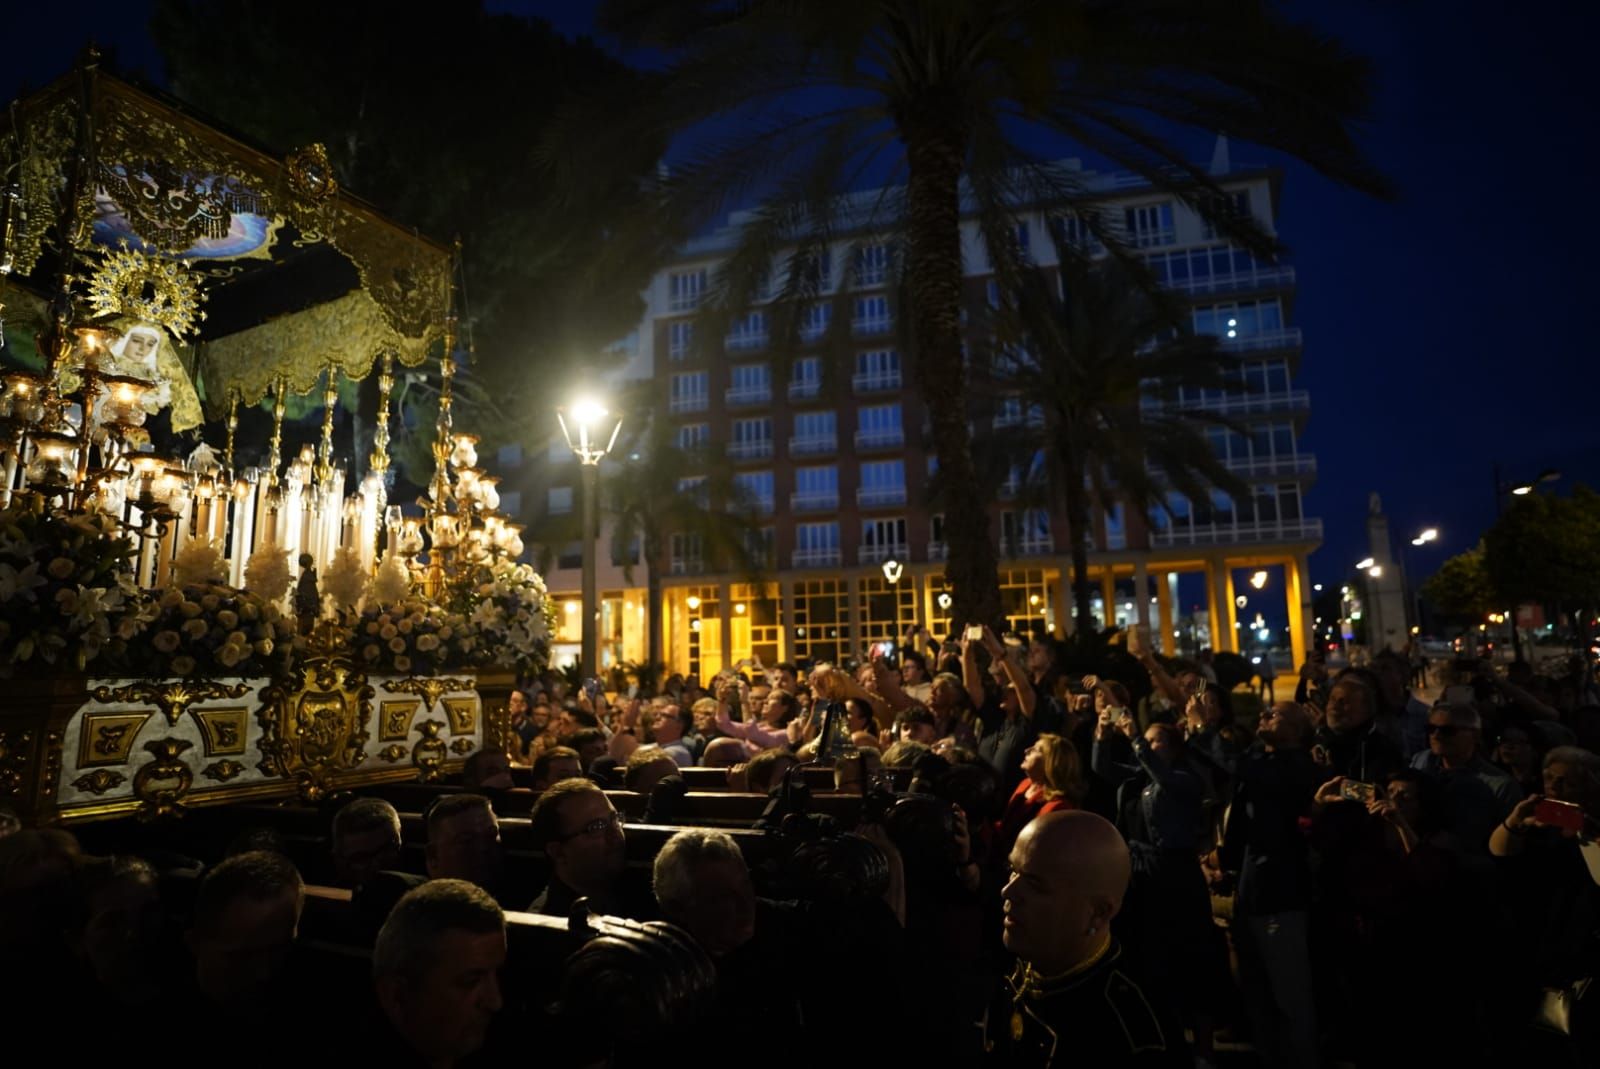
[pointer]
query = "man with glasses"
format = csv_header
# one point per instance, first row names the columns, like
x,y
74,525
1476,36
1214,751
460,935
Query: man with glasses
x,y
1478,795
581,835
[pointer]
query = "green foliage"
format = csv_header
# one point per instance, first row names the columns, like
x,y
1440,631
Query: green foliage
x,y
1461,588
437,113
1100,358
1546,549
941,95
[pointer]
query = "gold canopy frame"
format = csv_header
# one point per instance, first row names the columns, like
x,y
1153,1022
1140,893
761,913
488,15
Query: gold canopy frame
x,y
175,180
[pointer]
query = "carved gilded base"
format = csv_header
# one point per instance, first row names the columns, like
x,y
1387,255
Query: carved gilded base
x,y
75,749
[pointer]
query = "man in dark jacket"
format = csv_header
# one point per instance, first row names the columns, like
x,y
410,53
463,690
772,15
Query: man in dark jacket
x,y
1349,743
1265,851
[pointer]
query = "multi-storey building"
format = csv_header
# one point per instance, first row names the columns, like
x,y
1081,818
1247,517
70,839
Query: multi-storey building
x,y
838,468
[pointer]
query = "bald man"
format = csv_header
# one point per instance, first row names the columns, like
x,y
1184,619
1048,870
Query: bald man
x,y
1070,1000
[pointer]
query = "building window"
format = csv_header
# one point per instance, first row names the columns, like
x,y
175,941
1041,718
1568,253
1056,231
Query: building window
x,y
685,289
690,391
805,378
821,626
1149,224
693,436
872,316
872,265
752,431
694,486
878,427
883,482
817,536
816,489
1077,232
680,338
878,369
558,500
814,432
687,557
749,384
1241,319
758,543
748,332
1116,528
888,536
754,490
814,321
1231,204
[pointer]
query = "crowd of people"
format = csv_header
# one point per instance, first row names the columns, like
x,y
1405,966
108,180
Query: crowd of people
x,y
1074,870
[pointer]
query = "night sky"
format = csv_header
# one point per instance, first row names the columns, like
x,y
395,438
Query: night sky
x,y
1445,330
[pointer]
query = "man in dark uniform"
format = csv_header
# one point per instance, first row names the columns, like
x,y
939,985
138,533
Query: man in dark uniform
x,y
1070,1000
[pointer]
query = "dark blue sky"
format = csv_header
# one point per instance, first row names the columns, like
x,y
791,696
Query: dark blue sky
x,y
1446,331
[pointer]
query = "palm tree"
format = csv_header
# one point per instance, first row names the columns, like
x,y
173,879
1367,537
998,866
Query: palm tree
x,y
656,488
951,96
1101,361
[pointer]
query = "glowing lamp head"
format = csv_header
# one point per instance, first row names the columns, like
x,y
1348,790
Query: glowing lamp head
x,y
1364,564
1258,580
588,412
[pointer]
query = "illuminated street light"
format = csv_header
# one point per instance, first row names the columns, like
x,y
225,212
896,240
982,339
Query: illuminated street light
x,y
893,570
1364,564
1241,601
590,426
1376,571
1317,587
1258,580
945,601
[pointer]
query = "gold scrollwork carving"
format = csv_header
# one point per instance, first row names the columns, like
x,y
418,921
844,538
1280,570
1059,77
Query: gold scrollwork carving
x,y
224,730
222,771
430,752
162,783
462,746
429,688
394,719
172,697
314,723
463,714
392,752
99,781
108,738
310,173
156,291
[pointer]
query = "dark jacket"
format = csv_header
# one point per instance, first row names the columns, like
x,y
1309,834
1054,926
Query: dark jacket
x,y
1171,801
1263,841
1365,754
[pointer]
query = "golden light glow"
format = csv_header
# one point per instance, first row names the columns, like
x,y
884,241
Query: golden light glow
x,y
1258,580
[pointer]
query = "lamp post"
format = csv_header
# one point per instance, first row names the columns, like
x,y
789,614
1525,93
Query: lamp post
x,y
587,437
1501,489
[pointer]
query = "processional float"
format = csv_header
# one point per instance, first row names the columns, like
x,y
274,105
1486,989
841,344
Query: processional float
x,y
158,279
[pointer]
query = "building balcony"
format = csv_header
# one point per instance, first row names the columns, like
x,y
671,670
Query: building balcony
x,y
680,405
805,389
686,566
816,558
937,550
828,502
746,341
880,497
879,382
1032,546
880,553
868,326
1278,402
746,396
1212,534
752,450
815,445
884,438
1302,464
1263,278
1265,340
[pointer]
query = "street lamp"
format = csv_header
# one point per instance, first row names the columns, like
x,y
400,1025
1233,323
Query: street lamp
x,y
1548,475
1363,564
892,570
1258,580
1429,535
589,426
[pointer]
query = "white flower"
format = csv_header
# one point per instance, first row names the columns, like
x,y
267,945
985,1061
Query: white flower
x,y
14,583
200,561
392,583
267,573
346,580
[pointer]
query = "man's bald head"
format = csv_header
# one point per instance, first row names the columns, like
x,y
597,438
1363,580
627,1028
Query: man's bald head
x,y
1285,726
1070,871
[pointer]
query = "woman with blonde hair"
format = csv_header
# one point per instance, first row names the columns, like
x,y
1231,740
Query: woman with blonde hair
x,y
1052,779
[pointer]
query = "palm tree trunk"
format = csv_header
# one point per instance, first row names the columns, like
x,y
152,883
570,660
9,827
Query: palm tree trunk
x,y
1078,524
933,274
650,546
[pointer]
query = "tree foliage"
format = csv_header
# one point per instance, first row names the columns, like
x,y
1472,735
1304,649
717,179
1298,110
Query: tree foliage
x,y
1461,588
1100,362
953,98
436,113
1546,549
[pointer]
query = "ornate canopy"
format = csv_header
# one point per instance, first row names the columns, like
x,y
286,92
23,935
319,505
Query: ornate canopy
x,y
267,264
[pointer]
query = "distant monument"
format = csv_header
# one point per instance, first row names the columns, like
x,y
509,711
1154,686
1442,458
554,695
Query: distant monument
x,y
1385,600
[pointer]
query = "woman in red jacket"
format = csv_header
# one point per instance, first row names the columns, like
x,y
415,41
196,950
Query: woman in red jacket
x,y
1052,779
